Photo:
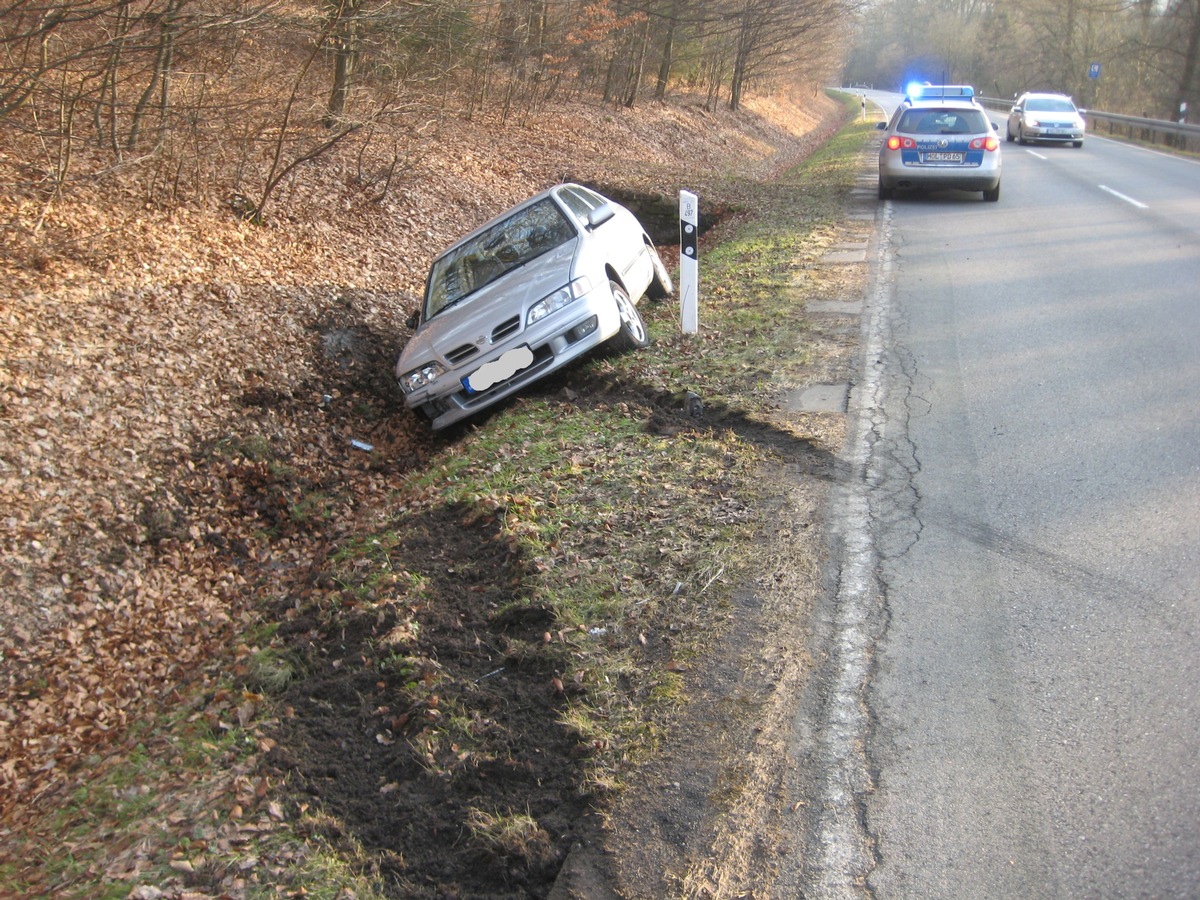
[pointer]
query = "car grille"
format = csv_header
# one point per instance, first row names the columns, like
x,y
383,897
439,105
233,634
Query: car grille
x,y
462,353
459,354
505,328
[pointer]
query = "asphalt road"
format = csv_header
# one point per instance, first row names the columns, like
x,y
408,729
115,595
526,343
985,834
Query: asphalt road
x,y
1011,702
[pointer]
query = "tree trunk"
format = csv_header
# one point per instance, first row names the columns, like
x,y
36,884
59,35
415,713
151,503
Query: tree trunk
x,y
345,57
1187,77
737,81
345,54
160,78
668,53
639,66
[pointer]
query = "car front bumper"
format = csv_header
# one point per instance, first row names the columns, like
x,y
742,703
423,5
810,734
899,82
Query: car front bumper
x,y
554,342
939,178
1049,133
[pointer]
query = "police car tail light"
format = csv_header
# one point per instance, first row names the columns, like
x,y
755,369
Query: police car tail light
x,y
895,142
985,143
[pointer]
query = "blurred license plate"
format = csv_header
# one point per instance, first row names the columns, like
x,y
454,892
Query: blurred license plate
x,y
943,157
498,370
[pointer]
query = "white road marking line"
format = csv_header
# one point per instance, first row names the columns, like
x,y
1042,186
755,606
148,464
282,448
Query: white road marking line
x,y
1121,196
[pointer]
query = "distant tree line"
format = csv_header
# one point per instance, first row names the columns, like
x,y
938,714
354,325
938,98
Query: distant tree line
x,y
170,86
1147,50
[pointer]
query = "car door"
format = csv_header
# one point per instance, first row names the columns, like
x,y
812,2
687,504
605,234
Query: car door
x,y
1015,116
617,240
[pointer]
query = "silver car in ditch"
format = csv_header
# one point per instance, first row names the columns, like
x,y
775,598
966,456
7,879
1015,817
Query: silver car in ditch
x,y
524,295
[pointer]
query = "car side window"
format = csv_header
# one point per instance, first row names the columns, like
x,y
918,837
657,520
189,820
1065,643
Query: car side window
x,y
579,203
594,200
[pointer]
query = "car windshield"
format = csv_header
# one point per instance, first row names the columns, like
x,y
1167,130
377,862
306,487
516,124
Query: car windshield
x,y
523,236
943,121
1049,104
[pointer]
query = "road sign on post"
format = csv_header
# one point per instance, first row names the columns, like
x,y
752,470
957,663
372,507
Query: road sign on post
x,y
689,280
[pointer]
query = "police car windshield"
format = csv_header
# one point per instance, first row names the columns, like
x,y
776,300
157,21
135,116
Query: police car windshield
x,y
943,121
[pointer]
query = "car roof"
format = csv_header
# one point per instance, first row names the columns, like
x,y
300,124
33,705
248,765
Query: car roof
x,y
1055,94
940,96
928,91
944,103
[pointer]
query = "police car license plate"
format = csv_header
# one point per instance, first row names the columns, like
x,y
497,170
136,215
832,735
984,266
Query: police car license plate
x,y
940,157
498,370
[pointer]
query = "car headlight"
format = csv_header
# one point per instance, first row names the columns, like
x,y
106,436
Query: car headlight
x,y
557,300
422,377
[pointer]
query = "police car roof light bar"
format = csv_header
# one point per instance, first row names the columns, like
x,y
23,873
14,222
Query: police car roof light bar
x,y
941,91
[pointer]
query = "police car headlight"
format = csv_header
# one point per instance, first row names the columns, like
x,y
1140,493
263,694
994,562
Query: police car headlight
x,y
556,301
421,377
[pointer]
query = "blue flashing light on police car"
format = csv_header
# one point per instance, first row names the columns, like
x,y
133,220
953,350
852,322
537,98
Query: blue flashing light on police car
x,y
926,91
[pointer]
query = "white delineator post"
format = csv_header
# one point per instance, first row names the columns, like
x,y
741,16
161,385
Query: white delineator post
x,y
689,279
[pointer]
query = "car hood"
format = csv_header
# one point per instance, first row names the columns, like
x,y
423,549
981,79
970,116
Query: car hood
x,y
474,320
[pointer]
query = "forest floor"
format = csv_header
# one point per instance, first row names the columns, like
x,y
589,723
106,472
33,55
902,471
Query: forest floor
x,y
179,390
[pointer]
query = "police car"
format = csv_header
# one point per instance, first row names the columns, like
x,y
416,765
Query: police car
x,y
940,138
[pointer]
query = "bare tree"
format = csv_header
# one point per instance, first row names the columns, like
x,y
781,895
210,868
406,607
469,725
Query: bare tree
x,y
769,37
1186,15
1144,47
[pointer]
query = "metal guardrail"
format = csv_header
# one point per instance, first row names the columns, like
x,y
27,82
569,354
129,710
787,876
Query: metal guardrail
x,y
1179,135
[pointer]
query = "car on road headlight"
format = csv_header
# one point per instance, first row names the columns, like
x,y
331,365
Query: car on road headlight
x,y
1045,117
940,138
524,295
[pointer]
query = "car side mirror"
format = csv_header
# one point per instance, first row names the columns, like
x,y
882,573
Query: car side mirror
x,y
881,126
600,215
413,320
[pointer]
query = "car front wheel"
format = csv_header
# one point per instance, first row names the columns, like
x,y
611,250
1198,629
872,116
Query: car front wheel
x,y
632,334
